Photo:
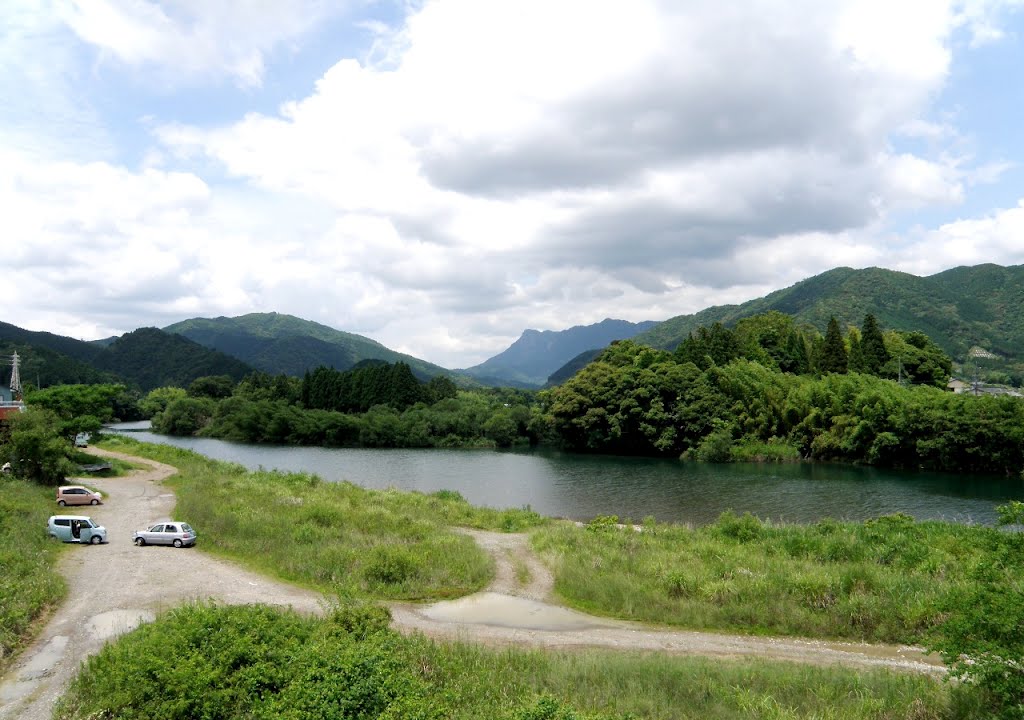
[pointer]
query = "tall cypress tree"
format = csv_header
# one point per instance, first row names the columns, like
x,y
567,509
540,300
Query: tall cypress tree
x,y
833,357
872,346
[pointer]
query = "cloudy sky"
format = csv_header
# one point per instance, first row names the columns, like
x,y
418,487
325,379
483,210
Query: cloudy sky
x,y
440,175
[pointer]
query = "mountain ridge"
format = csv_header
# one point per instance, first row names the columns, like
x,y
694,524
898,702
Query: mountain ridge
x,y
959,308
532,358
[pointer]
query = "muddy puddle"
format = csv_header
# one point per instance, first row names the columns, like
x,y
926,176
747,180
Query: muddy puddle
x,y
490,608
116,622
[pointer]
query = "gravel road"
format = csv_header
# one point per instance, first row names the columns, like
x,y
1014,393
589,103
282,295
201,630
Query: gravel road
x,y
115,586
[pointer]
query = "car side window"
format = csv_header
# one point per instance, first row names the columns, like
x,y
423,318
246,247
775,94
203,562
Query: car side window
x,y
170,528
157,528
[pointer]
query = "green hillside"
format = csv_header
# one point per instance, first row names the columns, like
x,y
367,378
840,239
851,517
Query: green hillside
x,y
277,343
960,309
150,358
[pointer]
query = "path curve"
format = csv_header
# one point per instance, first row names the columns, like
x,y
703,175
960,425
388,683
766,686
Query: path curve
x,y
116,586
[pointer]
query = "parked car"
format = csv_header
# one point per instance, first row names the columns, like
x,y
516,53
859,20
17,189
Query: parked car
x,y
174,533
82,440
76,529
77,495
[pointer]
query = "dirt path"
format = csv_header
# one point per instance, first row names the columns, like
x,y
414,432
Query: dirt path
x,y
116,586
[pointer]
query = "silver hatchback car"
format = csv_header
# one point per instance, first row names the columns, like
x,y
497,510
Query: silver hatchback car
x,y
174,533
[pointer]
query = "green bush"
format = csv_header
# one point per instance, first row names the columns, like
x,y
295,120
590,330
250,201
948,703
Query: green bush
x,y
29,584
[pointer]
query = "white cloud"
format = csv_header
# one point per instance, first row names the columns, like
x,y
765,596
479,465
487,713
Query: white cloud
x,y
193,40
499,165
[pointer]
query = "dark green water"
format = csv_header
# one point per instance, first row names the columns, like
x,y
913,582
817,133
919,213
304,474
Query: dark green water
x,y
582,486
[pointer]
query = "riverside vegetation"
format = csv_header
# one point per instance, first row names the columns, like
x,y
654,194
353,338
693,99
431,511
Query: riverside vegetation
x,y
890,579
259,662
723,395
764,390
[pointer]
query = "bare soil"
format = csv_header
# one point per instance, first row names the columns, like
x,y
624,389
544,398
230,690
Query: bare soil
x,y
116,586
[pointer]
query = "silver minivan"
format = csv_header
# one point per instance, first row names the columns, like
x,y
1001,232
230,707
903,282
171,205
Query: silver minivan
x,y
76,529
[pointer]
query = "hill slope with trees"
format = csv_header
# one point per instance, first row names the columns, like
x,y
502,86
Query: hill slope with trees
x,y
959,309
277,343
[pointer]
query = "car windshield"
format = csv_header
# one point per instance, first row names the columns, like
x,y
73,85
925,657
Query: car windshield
x,y
186,527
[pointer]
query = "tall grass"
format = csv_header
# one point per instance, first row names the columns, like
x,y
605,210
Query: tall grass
x,y
336,537
258,662
886,580
29,585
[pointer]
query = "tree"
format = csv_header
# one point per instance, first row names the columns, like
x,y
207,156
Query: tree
x,y
716,345
833,357
157,400
36,448
185,416
78,408
874,354
212,386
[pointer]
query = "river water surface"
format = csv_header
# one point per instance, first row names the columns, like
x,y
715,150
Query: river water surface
x,y
581,487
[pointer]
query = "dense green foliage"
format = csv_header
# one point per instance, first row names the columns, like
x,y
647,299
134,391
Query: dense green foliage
x,y
335,536
359,389
36,447
374,405
29,585
258,662
84,408
959,309
637,400
833,356
150,358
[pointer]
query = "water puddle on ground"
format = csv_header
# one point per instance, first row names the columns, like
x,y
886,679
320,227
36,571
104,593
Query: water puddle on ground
x,y
115,622
490,608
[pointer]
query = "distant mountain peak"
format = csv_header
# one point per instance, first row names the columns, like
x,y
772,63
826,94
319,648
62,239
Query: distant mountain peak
x,y
538,353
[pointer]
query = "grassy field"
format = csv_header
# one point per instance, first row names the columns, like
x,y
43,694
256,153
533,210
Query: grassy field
x,y
885,580
829,579
257,662
336,537
29,584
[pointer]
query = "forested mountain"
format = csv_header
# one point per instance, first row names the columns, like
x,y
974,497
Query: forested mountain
x,y
151,358
537,354
73,349
277,343
143,359
959,309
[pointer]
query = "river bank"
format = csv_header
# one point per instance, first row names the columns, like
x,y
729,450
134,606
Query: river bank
x,y
144,495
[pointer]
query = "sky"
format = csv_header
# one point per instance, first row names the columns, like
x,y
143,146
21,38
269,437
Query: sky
x,y
440,175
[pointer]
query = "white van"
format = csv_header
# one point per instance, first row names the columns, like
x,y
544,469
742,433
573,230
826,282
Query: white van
x,y
76,529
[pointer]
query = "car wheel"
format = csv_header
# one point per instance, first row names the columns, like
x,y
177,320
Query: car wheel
x,y
94,502
140,541
54,537
177,543
95,539
61,503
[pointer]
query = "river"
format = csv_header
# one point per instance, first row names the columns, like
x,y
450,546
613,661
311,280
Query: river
x,y
581,487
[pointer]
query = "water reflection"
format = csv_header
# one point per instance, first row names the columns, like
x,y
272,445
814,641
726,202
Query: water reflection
x,y
582,486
